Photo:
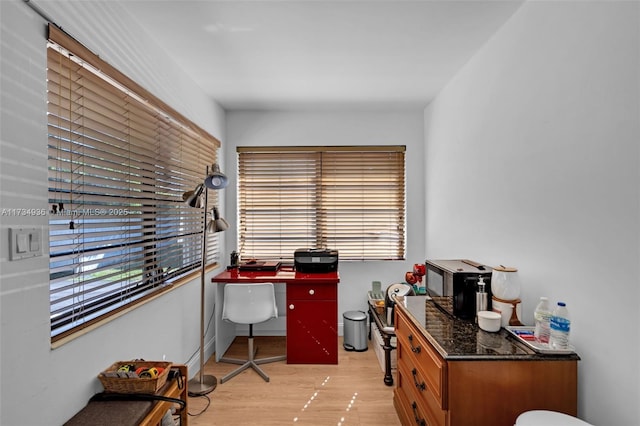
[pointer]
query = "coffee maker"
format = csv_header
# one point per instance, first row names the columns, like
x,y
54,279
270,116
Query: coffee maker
x,y
453,284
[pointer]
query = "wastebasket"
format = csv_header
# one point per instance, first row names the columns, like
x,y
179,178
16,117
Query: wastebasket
x,y
355,331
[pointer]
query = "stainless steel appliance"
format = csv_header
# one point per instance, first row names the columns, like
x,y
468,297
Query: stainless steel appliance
x,y
452,284
399,289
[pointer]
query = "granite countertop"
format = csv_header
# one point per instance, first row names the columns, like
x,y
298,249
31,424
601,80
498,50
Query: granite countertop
x,y
457,339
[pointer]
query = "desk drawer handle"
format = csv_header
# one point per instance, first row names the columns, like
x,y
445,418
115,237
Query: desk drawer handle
x,y
419,421
419,386
414,349
291,307
312,292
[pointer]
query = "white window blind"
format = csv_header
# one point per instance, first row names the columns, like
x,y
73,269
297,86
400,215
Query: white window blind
x,y
347,198
119,161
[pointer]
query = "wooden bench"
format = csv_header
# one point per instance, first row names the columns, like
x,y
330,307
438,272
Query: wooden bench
x,y
135,409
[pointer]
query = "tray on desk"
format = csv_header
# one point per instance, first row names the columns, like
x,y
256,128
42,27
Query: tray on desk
x,y
521,334
259,265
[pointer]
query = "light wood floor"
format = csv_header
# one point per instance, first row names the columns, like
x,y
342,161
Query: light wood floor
x,y
350,393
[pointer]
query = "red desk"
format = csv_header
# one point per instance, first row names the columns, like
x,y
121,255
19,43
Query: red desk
x,y
311,313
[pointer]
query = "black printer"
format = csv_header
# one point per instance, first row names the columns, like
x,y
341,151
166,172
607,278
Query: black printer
x,y
316,260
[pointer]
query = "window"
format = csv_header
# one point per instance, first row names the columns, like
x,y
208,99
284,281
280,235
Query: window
x,y
119,161
347,198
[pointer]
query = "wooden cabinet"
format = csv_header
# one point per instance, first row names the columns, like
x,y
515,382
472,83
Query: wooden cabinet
x,y
312,323
487,386
422,377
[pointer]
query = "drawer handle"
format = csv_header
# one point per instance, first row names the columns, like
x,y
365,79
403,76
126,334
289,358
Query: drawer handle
x,y
312,292
292,306
419,386
414,349
419,421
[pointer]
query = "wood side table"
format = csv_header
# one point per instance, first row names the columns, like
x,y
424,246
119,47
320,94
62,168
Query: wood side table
x,y
135,409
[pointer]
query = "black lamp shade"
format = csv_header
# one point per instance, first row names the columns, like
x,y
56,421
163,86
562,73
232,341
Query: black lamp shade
x,y
216,179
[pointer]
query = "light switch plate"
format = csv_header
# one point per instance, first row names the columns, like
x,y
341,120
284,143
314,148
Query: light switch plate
x,y
24,243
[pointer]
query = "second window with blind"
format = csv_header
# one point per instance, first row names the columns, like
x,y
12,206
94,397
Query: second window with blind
x,y
348,198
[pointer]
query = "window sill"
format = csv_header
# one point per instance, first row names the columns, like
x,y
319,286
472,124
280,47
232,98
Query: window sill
x,y
63,339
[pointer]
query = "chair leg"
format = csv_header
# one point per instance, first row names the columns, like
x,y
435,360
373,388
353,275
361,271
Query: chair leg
x,y
271,359
235,372
233,360
241,361
251,362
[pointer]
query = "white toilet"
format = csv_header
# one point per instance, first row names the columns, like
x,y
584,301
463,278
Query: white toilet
x,y
548,418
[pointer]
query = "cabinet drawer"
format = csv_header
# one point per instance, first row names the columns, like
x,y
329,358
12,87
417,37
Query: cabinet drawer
x,y
408,410
414,349
413,385
312,292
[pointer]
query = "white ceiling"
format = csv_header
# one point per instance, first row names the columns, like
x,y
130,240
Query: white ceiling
x,y
268,54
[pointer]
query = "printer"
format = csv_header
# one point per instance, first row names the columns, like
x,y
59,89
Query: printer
x,y
315,260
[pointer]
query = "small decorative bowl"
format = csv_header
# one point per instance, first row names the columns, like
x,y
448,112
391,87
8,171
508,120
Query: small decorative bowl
x,y
489,321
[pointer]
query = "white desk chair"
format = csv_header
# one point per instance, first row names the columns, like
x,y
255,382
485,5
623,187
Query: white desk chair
x,y
249,304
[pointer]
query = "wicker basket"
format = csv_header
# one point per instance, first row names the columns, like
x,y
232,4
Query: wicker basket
x,y
134,384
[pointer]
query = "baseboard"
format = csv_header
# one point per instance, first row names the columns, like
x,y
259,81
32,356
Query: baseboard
x,y
194,364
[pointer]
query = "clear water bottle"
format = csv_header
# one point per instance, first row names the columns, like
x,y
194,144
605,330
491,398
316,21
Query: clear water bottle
x,y
560,327
542,316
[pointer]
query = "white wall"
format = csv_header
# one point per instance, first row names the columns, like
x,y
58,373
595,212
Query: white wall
x,y
532,161
40,385
255,128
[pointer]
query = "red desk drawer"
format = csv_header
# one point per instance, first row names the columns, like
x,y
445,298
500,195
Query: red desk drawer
x,y
312,292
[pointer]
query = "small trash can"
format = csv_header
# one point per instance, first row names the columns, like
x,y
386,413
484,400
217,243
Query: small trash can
x,y
355,331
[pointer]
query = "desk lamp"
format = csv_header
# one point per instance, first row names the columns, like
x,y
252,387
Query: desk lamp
x,y
204,384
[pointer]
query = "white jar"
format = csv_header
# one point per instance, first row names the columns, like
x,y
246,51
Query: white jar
x,y
505,283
